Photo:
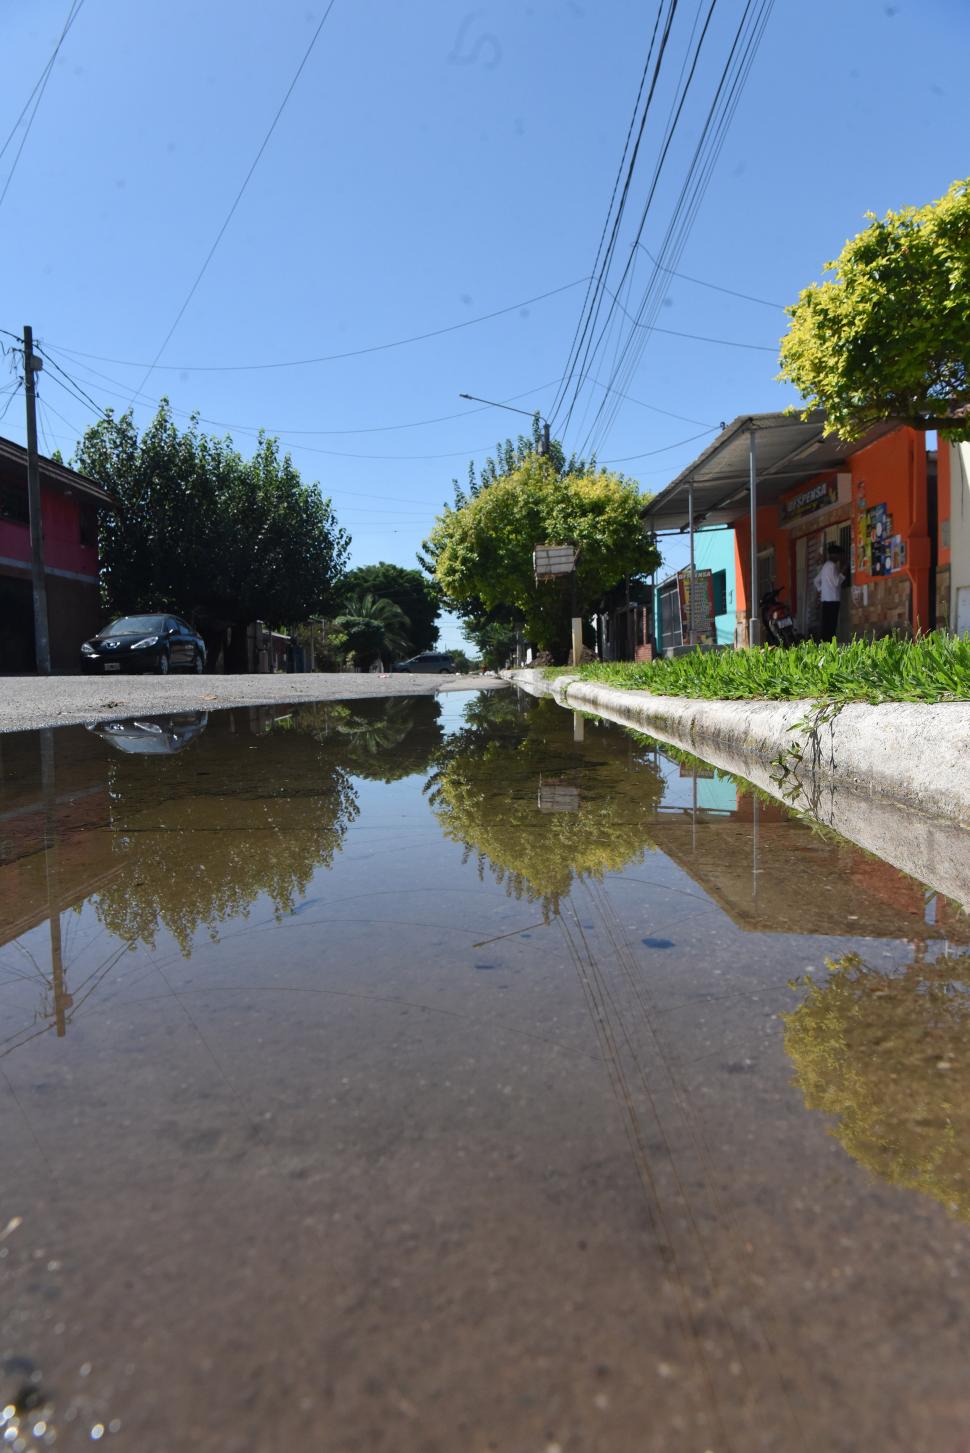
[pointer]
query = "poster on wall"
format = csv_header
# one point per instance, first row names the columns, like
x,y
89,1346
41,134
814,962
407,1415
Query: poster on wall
x,y
877,550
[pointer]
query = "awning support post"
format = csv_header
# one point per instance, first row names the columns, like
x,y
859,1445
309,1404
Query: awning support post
x,y
690,598
754,622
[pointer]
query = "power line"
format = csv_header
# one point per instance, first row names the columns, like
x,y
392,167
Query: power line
x,y
595,302
86,397
624,459
38,91
324,357
727,93
239,195
13,394
715,287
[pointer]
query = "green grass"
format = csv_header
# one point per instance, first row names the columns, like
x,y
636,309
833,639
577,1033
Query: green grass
x,y
932,668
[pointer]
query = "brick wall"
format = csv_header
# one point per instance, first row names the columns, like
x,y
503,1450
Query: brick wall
x,y
887,612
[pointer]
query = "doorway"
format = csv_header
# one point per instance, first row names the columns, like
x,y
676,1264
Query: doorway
x,y
16,627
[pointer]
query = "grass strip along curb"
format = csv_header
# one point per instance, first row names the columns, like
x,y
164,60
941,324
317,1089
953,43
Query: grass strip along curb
x,y
933,668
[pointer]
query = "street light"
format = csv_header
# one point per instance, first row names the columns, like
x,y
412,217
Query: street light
x,y
543,442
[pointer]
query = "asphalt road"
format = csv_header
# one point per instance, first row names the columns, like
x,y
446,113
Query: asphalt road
x,y
29,702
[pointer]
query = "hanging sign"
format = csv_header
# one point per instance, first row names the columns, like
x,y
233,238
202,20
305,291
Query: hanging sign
x,y
552,560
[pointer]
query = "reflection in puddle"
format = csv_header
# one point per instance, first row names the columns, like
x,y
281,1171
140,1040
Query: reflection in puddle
x,y
887,1055
418,1075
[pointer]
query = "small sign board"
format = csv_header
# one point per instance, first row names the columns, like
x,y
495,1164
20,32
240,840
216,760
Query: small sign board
x,y
552,560
808,501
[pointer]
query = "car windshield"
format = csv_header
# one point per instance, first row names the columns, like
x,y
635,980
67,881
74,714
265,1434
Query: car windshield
x,y
135,625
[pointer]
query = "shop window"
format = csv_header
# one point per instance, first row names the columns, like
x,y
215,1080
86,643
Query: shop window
x,y
766,571
13,505
719,591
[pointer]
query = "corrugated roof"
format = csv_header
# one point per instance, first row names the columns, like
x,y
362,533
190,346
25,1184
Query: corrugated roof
x,y
53,473
789,451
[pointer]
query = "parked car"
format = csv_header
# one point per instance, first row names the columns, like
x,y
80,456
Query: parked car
x,y
439,662
153,736
159,643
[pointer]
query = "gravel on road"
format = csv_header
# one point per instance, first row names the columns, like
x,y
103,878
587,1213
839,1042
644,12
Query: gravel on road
x,y
30,702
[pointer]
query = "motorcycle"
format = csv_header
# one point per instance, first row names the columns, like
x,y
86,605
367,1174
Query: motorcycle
x,y
776,620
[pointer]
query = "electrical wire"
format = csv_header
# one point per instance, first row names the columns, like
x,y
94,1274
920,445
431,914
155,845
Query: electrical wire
x,y
38,91
13,394
324,357
715,287
592,312
239,195
666,448
727,94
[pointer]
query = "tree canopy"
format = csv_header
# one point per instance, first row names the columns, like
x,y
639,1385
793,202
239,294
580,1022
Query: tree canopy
x,y
889,335
482,551
885,1055
411,590
204,532
374,629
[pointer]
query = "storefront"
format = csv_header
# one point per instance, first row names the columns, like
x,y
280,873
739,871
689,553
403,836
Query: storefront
x,y
872,499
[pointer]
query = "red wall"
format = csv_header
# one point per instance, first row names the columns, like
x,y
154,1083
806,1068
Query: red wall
x,y
61,515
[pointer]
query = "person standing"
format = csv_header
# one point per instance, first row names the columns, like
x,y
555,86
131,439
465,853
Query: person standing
x,y
828,583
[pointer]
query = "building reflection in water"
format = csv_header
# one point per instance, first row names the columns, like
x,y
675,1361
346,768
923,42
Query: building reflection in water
x,y
175,825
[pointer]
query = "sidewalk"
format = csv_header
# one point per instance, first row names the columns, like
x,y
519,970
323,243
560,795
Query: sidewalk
x,y
30,702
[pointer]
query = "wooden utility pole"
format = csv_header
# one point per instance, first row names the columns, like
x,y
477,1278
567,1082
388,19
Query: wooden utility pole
x,y
42,649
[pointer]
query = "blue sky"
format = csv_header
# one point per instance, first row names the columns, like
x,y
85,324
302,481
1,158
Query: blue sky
x,y
434,163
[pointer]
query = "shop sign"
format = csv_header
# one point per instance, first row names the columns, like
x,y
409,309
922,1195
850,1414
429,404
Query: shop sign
x,y
808,501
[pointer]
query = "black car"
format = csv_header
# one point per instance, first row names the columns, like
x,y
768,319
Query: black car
x,y
153,736
159,643
439,662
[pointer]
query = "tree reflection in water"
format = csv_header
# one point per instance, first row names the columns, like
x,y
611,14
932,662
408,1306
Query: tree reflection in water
x,y
888,1056
199,836
537,808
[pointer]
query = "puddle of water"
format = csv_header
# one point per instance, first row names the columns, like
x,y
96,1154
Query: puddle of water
x,y
462,1075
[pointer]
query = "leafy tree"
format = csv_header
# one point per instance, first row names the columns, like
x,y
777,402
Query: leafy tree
x,y
483,551
374,629
206,533
889,335
492,628
885,1055
462,659
417,596
536,808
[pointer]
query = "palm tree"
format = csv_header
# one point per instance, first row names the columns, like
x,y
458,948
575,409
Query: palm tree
x,y
375,628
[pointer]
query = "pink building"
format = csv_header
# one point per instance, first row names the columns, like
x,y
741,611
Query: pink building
x,y
69,511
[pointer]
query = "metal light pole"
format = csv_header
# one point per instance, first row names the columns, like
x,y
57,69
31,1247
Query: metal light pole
x,y
754,623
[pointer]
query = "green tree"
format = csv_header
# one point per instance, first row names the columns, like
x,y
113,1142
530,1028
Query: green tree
x,y
885,1055
206,533
417,596
889,335
492,628
374,629
483,550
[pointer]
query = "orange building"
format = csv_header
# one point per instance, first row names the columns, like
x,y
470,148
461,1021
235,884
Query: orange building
x,y
875,498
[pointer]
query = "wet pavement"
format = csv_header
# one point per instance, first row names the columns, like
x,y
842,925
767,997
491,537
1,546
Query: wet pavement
x,y
434,1075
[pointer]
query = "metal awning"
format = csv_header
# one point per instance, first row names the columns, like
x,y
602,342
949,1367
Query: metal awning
x,y
790,451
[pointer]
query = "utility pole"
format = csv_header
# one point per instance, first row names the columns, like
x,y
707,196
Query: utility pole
x,y
42,649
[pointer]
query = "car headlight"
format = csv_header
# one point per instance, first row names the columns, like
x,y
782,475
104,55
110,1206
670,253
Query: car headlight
x,y
87,650
148,641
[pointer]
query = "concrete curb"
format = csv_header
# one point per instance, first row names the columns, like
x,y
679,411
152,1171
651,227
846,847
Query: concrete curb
x,y
904,753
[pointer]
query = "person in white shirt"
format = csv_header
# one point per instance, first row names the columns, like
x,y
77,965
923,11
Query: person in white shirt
x,y
828,583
